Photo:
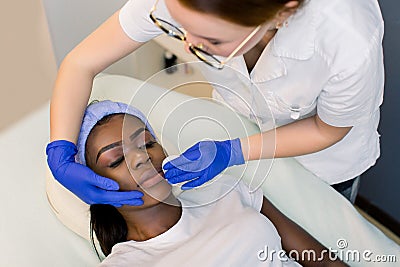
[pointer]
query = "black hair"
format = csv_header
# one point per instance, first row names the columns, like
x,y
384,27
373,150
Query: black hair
x,y
108,225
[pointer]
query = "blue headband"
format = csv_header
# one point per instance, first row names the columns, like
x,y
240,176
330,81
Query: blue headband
x,y
95,112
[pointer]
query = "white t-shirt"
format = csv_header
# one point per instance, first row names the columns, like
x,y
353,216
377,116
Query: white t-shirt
x,y
220,225
328,60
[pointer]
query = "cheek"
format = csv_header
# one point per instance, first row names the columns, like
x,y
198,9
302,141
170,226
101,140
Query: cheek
x,y
227,49
157,156
123,177
222,50
128,182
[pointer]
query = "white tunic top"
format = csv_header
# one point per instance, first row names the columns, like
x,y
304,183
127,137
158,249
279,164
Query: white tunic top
x,y
220,225
328,60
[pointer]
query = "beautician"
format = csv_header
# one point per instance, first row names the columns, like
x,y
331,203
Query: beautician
x,y
317,63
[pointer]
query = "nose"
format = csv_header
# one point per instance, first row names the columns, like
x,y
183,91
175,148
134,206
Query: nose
x,y
191,40
187,48
137,158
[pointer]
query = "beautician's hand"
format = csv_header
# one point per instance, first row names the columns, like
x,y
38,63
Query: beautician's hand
x,y
82,181
203,161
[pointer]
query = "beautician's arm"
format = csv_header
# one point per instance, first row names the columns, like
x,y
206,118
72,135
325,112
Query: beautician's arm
x,y
296,238
298,138
100,49
70,97
295,139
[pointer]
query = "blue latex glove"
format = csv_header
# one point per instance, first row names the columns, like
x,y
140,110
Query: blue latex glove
x,y
203,161
82,181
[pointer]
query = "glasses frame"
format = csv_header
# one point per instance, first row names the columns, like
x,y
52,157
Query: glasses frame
x,y
196,49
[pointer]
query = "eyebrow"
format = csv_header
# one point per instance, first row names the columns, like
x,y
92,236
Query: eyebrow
x,y
136,133
119,143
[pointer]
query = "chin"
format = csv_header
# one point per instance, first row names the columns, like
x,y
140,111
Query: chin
x,y
157,193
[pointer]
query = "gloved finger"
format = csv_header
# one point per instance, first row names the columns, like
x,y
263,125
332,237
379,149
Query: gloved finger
x,y
104,183
175,172
190,155
112,197
195,147
204,155
177,162
132,202
194,183
183,177
183,165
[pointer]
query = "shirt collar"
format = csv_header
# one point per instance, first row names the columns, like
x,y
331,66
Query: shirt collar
x,y
285,44
301,26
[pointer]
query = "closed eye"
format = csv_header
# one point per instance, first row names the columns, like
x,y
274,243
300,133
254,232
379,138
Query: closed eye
x,y
149,144
215,42
117,162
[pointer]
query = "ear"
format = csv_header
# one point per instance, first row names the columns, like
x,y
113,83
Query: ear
x,y
292,4
288,9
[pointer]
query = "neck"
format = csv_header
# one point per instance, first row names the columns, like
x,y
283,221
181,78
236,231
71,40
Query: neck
x,y
253,54
144,224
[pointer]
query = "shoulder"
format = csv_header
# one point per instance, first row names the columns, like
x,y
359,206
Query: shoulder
x,y
348,30
135,20
339,32
122,254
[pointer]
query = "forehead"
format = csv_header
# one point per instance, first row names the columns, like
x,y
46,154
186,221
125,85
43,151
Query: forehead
x,y
114,129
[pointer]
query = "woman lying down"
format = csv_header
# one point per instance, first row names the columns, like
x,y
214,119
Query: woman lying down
x,y
221,224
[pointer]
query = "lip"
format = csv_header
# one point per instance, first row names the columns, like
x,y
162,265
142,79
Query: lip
x,y
151,178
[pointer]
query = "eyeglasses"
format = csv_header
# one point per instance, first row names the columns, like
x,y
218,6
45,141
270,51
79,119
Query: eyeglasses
x,y
173,31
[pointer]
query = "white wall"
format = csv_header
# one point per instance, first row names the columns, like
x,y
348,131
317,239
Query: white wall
x,y
37,35
28,67
70,21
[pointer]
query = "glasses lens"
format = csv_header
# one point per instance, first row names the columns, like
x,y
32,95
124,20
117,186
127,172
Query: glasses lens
x,y
173,31
168,28
206,57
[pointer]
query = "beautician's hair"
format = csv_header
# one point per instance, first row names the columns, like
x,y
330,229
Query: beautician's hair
x,y
242,12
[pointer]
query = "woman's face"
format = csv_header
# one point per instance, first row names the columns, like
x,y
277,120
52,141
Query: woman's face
x,y
220,37
124,151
